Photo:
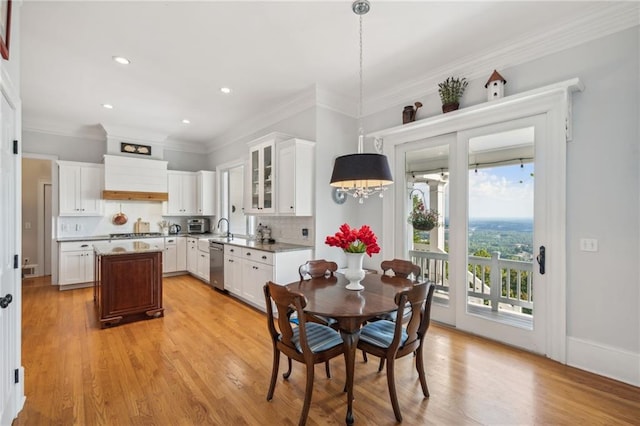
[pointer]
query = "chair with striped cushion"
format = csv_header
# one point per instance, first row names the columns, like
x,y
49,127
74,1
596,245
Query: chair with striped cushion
x,y
318,269
309,343
391,340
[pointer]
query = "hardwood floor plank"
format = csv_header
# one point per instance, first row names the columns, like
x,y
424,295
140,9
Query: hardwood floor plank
x,y
208,361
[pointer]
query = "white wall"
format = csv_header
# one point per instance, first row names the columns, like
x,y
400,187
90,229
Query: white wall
x,y
34,171
65,147
603,288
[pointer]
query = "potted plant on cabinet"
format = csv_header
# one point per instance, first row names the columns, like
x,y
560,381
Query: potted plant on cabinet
x,y
451,91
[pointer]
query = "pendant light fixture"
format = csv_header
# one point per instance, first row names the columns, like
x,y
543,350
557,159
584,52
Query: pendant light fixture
x,y
361,174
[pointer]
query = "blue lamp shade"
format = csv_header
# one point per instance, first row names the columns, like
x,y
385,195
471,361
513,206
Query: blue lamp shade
x,y
361,171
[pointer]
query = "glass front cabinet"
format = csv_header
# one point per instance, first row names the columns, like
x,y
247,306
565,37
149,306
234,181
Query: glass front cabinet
x,y
261,158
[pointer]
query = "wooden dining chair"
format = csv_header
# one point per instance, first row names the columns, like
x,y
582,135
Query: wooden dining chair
x,y
309,343
318,269
401,268
391,340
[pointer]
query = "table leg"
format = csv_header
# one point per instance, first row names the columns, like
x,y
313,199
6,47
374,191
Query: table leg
x,y
351,343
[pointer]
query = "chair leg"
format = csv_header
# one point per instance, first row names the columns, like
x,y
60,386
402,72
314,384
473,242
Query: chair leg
x,y
274,373
381,366
364,356
307,396
327,369
421,375
288,373
391,381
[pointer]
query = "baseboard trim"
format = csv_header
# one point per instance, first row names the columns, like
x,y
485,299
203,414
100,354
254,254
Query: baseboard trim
x,y
604,360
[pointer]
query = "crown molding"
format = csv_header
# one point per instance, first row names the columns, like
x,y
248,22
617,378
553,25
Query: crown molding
x,y
96,133
599,20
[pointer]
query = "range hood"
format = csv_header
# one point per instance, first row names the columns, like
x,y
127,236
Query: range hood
x,y
138,179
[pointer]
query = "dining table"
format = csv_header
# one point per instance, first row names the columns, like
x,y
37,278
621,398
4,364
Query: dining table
x,y
329,297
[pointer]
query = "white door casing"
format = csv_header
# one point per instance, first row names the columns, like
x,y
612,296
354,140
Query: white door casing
x,y
554,103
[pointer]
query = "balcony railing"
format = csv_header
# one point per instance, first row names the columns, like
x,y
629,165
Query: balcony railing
x,y
501,284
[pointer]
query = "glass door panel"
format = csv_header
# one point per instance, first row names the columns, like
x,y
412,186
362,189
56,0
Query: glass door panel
x,y
268,187
255,179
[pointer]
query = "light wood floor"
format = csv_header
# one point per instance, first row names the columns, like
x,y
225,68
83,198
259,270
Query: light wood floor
x,y
208,362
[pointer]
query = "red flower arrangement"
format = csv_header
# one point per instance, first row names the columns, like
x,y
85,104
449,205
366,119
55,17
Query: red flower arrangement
x,y
353,240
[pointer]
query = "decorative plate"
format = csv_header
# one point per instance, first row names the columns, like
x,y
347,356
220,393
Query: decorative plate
x,y
339,197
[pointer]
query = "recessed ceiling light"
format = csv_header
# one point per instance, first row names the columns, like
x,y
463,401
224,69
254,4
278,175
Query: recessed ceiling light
x,y
185,121
225,90
121,60
107,106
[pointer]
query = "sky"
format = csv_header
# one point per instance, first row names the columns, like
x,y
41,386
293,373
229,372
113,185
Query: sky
x,y
501,192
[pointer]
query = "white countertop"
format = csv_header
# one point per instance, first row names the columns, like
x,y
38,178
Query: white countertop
x,y
124,247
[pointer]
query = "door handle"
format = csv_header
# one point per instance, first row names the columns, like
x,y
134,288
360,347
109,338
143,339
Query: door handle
x,y
541,259
5,301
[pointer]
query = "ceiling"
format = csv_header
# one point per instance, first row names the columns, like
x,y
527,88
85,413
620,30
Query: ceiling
x,y
268,53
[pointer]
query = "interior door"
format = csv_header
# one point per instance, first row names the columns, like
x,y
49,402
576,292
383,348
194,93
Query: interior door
x,y
508,191
9,275
46,260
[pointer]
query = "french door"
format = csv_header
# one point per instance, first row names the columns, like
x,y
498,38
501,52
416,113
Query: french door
x,y
503,181
491,188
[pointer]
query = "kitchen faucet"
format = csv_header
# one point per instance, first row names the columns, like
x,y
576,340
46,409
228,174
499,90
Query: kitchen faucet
x,y
229,236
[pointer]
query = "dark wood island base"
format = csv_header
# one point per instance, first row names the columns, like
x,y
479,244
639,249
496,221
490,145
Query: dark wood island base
x,y
128,282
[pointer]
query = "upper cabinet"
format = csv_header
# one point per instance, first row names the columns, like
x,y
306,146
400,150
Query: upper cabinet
x,y
279,179
261,176
80,187
182,193
206,193
295,160
190,193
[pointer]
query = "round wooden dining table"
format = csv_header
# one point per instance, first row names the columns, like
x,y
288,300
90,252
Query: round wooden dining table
x,y
328,297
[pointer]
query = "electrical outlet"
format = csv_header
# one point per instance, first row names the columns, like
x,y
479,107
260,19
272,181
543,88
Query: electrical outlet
x,y
305,232
27,225
26,260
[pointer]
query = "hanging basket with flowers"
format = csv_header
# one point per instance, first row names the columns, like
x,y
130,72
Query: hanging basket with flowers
x,y
423,219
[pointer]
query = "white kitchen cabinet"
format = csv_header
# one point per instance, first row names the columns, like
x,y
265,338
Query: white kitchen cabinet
x,y
206,193
80,188
259,188
247,270
233,269
295,162
182,194
203,265
192,255
76,261
181,253
170,255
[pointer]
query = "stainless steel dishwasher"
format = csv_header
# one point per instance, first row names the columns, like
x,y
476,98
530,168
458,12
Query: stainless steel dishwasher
x,y
216,265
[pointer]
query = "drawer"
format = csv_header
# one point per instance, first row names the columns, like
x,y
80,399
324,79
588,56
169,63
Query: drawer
x,y
261,256
230,250
80,245
203,245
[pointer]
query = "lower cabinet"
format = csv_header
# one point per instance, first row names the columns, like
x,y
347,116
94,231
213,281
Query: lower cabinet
x,y
202,270
170,255
192,255
246,270
75,266
128,285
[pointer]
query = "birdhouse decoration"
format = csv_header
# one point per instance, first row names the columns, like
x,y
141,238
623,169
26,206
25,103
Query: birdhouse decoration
x,y
495,86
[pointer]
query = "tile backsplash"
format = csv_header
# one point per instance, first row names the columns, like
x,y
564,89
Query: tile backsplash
x,y
288,229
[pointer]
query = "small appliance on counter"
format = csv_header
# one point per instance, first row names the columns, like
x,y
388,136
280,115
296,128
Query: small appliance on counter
x,y
175,229
198,226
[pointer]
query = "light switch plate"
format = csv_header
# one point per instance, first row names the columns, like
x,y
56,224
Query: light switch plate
x,y
588,244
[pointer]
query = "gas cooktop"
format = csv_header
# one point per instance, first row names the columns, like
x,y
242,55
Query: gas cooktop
x,y
134,235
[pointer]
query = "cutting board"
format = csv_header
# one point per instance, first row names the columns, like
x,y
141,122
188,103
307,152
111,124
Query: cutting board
x,y
140,227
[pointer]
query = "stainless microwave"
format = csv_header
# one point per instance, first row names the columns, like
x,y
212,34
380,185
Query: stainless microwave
x,y
198,226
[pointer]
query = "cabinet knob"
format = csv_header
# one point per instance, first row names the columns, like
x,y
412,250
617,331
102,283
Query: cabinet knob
x,y
248,254
264,257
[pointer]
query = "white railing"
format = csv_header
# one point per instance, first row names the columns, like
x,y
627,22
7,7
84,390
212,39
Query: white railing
x,y
498,282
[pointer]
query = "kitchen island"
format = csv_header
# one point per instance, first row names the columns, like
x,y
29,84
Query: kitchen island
x,y
127,281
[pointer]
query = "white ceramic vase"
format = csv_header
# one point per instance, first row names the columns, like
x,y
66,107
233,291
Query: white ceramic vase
x,y
354,272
